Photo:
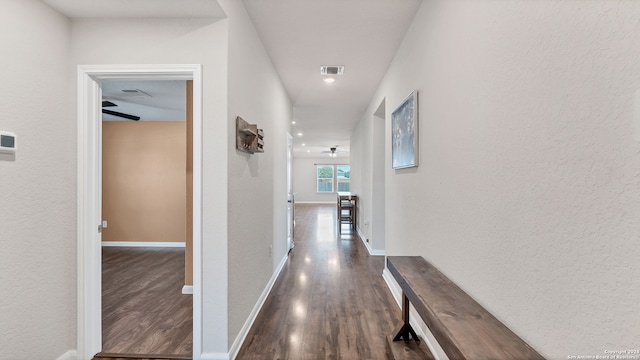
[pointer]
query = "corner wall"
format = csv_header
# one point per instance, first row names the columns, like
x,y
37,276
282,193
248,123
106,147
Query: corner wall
x,y
526,194
37,191
181,41
257,184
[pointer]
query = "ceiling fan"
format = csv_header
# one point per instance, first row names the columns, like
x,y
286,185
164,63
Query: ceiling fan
x,y
106,103
333,151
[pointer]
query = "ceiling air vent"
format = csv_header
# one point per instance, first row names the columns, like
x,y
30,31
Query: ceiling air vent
x,y
136,93
332,70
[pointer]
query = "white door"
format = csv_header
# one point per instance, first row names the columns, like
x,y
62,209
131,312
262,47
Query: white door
x,y
290,195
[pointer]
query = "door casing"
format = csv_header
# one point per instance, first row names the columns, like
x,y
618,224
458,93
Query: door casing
x,y
89,192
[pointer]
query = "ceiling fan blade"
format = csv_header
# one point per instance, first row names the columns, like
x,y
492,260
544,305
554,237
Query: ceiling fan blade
x,y
106,103
122,115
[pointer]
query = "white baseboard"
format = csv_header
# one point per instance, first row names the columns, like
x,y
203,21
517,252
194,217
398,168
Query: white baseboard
x,y
233,352
316,202
69,355
214,356
416,322
143,244
368,246
187,290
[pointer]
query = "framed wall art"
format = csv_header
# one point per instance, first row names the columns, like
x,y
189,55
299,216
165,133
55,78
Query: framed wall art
x,y
404,133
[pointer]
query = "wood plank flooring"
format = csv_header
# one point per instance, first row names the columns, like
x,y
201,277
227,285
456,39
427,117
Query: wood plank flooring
x,y
330,300
143,308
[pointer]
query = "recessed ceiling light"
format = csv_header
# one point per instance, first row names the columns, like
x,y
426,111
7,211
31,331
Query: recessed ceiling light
x,y
303,144
308,151
299,134
293,122
329,80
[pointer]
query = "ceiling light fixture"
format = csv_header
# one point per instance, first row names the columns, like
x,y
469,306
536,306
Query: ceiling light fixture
x,y
299,134
293,122
303,144
330,72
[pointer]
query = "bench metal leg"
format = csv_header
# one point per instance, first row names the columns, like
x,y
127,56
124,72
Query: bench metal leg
x,y
406,332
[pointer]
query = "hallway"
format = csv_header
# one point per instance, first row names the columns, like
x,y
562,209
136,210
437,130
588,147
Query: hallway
x,y
330,300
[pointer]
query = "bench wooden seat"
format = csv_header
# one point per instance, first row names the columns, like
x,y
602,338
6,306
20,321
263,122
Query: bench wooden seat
x,y
462,327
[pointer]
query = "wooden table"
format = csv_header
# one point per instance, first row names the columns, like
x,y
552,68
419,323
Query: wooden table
x,y
352,200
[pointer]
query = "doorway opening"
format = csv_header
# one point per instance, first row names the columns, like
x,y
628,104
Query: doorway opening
x,y
146,243
378,181
89,225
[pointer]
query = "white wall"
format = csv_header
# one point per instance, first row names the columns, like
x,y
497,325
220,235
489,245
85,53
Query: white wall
x,y
305,176
368,179
242,217
377,212
527,190
257,204
37,191
181,41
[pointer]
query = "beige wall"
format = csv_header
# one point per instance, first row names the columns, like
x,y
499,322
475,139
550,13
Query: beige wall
x,y
144,181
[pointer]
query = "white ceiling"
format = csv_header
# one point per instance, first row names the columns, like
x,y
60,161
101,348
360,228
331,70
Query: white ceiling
x,y
166,100
300,36
138,8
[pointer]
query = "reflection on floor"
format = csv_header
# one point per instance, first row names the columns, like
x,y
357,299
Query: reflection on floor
x,y
330,300
143,308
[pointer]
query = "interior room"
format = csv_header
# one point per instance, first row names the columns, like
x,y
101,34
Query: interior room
x,y
491,146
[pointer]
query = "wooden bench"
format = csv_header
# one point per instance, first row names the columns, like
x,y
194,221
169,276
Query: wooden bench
x,y
463,328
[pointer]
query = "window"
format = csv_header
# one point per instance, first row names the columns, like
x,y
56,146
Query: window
x,y
344,177
325,178
327,175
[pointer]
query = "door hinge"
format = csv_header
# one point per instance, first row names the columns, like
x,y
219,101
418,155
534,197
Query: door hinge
x,y
100,229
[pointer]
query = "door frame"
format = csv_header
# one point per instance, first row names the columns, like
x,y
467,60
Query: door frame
x,y
89,192
290,194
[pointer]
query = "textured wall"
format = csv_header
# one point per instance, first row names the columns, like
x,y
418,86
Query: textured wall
x,y
257,183
181,41
527,191
38,188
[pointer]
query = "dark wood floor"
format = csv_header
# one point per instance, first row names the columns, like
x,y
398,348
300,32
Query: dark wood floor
x,y
329,302
143,308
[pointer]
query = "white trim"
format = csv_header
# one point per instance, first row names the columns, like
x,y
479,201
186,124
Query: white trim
x,y
69,355
187,290
157,244
89,332
368,246
214,356
414,319
89,302
316,202
233,351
